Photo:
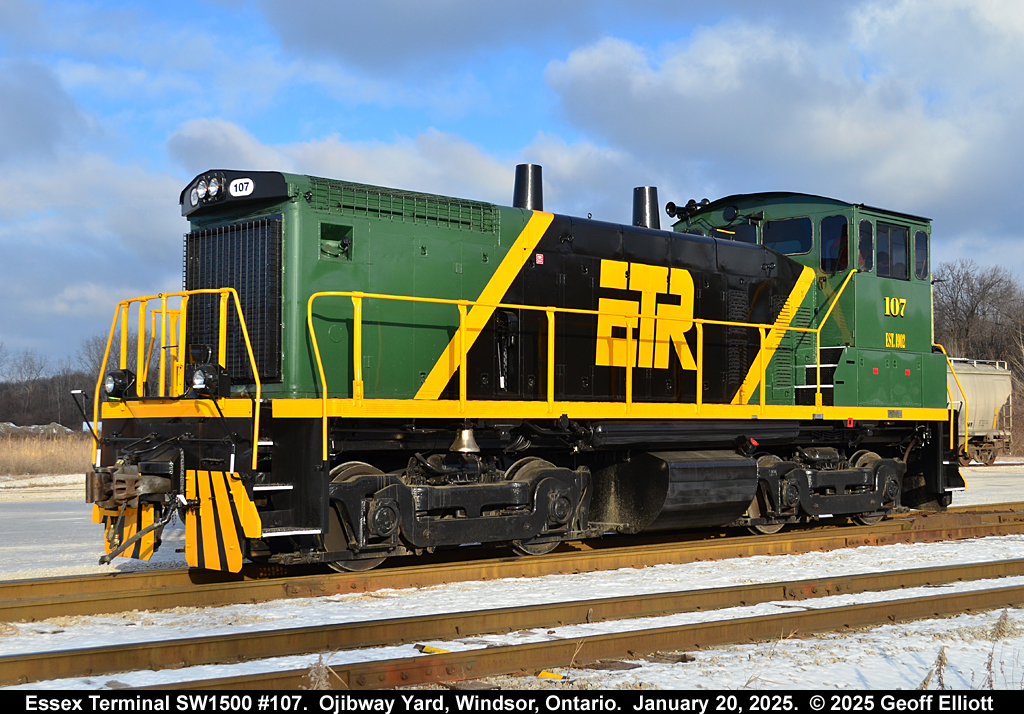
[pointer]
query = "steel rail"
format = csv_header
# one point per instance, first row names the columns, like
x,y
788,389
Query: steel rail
x,y
191,651
34,600
494,661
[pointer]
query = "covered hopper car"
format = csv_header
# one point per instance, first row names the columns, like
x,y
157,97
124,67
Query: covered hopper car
x,y
352,373
981,394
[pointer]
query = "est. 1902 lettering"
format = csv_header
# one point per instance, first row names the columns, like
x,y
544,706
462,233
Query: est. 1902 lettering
x,y
896,340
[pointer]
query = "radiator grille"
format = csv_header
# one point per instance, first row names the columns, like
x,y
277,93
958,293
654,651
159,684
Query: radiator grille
x,y
738,311
247,257
360,200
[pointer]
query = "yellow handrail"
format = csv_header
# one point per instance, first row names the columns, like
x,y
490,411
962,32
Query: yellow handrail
x,y
817,339
121,312
952,440
358,297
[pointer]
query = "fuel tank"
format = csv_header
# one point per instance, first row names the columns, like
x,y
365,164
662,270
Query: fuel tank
x,y
665,490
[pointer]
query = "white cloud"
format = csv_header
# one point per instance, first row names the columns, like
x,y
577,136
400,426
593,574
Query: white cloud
x,y
579,177
433,161
82,233
762,109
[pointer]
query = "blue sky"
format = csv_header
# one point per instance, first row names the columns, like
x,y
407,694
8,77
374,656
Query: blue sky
x,y
107,109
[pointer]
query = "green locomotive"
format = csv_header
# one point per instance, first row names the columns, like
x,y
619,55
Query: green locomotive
x,y
352,373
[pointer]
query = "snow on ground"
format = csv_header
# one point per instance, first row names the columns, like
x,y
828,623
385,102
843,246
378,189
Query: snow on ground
x,y
898,656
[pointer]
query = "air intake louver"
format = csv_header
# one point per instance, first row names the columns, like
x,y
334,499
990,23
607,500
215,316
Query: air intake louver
x,y
247,257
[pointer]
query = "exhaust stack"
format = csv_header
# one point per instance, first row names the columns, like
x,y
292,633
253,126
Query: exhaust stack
x,y
529,190
645,207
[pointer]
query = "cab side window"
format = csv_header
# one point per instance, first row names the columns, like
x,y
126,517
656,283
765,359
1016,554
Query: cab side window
x,y
790,236
835,242
921,255
866,247
892,251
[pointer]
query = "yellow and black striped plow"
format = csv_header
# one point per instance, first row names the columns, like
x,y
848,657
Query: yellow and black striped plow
x,y
222,516
120,525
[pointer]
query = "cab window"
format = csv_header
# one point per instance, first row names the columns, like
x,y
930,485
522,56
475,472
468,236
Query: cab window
x,y
866,247
835,241
789,236
921,255
892,251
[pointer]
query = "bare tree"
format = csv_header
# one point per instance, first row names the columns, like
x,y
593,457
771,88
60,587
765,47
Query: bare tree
x,y
89,357
975,309
25,368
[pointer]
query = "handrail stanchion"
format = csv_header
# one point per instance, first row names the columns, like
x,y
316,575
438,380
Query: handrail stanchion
x,y
462,356
255,375
629,365
182,344
550,312
163,346
817,338
122,360
817,369
357,348
140,365
700,365
760,359
119,311
320,370
222,342
952,441
152,336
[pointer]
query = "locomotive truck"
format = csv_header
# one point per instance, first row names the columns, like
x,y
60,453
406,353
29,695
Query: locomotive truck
x,y
352,373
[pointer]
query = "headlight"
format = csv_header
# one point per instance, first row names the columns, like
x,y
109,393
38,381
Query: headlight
x,y
207,380
201,189
194,197
214,187
117,383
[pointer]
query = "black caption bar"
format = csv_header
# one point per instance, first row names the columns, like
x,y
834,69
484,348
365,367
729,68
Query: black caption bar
x,y
532,702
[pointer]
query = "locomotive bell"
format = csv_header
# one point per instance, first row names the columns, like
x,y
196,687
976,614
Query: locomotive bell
x,y
465,442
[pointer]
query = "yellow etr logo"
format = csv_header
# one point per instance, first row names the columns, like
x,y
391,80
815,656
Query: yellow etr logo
x,y
651,348
895,307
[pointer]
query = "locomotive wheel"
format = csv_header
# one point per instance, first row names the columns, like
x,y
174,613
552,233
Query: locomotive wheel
x,y
869,519
863,458
344,472
766,529
523,467
526,465
355,566
527,548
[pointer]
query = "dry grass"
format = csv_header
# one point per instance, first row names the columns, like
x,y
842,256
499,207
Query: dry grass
x,y
29,455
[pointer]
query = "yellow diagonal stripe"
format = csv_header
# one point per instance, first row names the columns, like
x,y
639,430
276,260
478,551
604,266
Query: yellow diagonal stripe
x,y
492,293
775,335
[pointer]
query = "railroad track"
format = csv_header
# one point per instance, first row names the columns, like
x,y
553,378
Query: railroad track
x,y
478,663
34,600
